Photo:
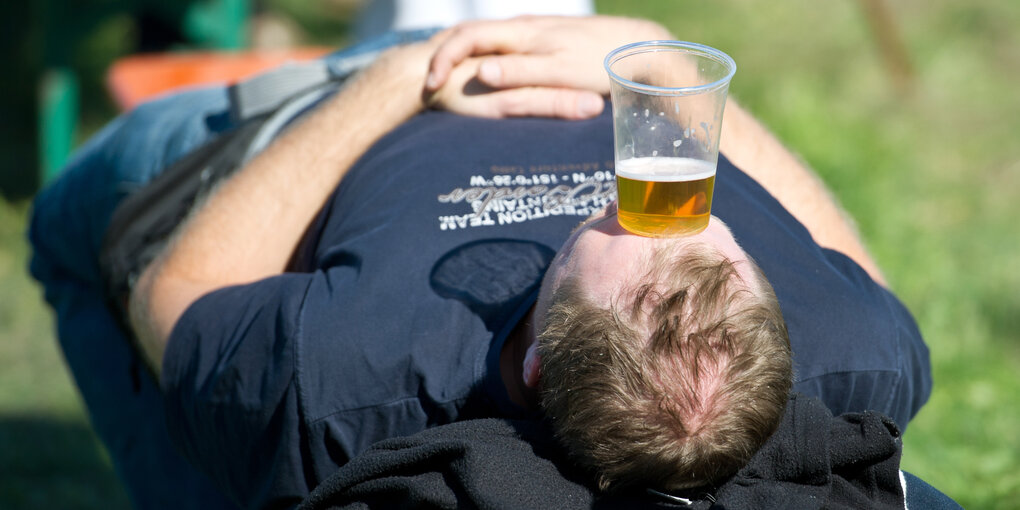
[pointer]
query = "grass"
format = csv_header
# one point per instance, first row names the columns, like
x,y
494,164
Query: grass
x,y
931,173
49,456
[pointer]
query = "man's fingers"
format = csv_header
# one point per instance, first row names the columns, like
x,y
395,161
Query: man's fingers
x,y
548,102
512,71
481,38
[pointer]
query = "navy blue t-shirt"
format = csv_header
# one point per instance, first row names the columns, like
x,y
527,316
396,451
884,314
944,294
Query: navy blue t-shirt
x,y
425,258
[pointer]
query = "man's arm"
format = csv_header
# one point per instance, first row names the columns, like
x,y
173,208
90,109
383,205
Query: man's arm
x,y
248,229
563,56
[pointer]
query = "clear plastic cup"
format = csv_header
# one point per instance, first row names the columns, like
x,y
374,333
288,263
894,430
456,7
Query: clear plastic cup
x,y
668,99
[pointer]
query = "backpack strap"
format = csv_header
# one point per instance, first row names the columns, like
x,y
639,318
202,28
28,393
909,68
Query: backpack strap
x,y
268,91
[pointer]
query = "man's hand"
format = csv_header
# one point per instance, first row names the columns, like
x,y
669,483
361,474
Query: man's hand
x,y
543,66
465,94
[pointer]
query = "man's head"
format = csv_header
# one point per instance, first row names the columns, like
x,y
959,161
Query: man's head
x,y
664,362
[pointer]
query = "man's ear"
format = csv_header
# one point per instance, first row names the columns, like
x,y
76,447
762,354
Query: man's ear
x,y
532,364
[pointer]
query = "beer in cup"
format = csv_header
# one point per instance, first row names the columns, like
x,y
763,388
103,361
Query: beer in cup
x,y
668,99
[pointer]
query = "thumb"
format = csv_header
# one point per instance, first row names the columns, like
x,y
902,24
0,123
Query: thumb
x,y
512,71
544,70
562,103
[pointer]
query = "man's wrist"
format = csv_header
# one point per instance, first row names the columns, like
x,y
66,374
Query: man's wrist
x,y
397,79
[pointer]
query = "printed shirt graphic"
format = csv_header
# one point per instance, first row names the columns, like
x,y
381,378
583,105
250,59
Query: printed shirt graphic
x,y
513,194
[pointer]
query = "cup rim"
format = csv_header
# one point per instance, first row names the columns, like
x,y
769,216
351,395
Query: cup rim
x,y
668,45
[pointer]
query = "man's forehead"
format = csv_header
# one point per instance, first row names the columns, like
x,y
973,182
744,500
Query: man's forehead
x,y
612,261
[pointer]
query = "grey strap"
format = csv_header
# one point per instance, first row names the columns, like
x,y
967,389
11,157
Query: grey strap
x,y
343,67
267,91
280,119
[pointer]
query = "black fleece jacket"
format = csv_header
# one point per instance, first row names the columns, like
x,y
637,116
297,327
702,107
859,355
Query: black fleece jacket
x,y
814,460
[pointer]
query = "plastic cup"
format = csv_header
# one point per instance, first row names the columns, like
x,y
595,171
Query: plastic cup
x,y
668,99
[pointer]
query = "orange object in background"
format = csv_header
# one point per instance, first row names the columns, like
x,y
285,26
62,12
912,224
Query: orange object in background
x,y
138,78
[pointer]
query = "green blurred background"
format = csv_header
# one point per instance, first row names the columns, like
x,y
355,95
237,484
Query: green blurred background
x,y
915,126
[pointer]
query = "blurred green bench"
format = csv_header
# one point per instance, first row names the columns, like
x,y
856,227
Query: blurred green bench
x,y
212,24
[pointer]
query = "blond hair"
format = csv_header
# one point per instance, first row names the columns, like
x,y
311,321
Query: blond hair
x,y
677,383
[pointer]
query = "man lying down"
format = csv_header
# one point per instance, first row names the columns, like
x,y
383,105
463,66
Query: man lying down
x,y
405,264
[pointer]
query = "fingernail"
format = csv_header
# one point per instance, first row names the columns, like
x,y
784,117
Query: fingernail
x,y
590,105
490,72
430,81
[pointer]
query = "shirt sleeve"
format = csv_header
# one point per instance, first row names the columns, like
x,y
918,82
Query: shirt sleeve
x,y
872,357
914,384
270,387
230,392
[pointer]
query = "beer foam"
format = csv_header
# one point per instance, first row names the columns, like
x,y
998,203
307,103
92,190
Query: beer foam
x,y
665,169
